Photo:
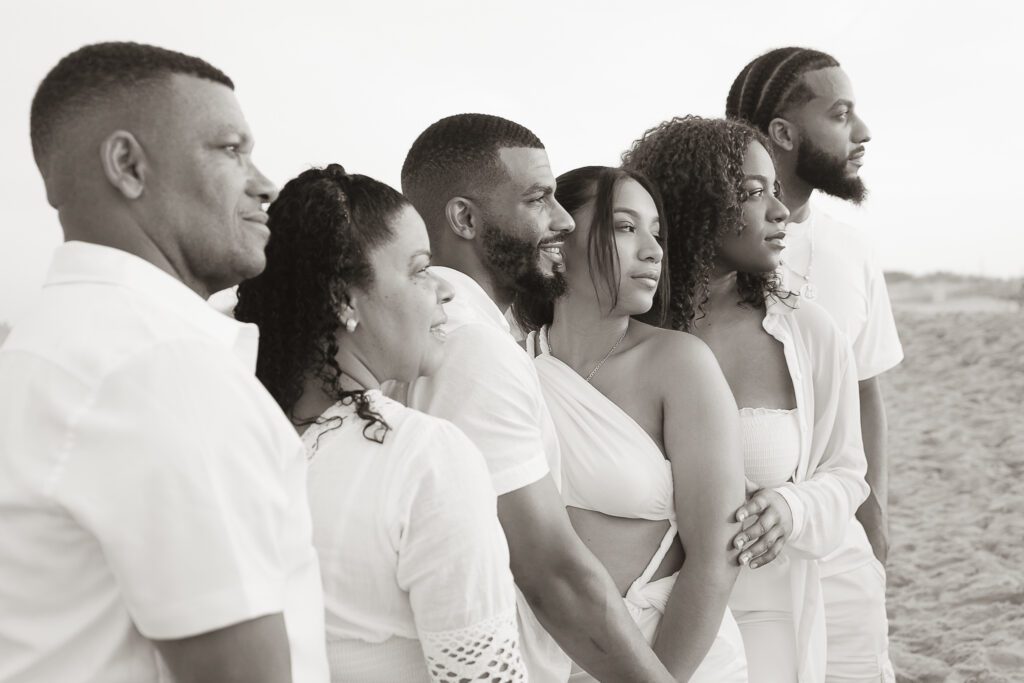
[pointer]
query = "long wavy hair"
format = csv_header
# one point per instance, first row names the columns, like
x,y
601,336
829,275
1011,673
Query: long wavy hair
x,y
576,189
323,226
697,164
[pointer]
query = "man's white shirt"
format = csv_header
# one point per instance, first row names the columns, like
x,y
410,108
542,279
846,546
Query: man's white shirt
x,y
150,487
488,387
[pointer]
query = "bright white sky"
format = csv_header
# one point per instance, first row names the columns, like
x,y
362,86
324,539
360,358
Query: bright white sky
x,y
355,82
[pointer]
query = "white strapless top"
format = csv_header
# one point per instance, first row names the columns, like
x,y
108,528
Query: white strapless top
x,y
770,440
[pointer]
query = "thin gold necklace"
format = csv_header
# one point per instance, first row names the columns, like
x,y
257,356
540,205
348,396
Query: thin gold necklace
x,y
606,356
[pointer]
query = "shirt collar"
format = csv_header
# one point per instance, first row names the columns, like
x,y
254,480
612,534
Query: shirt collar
x,y
83,262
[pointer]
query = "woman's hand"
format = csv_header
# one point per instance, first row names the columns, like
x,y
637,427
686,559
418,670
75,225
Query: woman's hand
x,y
767,523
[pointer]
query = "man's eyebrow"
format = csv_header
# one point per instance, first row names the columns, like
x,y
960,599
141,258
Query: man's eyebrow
x,y
842,103
539,187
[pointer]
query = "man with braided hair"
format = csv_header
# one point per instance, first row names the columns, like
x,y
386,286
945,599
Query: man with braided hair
x,y
803,101
484,187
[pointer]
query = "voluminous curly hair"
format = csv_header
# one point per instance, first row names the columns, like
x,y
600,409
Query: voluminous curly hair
x,y
697,165
772,83
576,189
323,226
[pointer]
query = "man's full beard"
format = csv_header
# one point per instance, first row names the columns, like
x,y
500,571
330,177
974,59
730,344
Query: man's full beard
x,y
824,172
514,262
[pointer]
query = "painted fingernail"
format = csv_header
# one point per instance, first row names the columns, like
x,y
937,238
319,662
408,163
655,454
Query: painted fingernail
x,y
740,542
741,515
744,558
754,565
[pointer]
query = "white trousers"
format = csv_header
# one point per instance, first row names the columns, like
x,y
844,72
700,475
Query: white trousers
x,y
857,626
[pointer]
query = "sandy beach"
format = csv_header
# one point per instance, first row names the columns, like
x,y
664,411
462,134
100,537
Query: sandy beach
x,y
956,567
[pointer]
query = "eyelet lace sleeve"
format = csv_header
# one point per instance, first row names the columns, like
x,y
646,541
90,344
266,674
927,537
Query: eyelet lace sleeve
x,y
485,651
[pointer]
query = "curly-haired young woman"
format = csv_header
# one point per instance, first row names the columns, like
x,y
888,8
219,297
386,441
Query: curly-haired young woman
x,y
790,371
414,562
651,464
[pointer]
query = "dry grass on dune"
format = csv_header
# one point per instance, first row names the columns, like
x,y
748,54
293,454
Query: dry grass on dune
x,y
956,568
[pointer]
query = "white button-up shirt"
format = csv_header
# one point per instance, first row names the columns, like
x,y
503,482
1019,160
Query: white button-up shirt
x,y
150,488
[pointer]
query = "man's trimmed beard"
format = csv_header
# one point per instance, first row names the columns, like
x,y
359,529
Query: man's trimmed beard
x,y
515,262
824,172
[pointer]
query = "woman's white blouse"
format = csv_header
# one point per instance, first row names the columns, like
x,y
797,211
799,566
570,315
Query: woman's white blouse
x,y
410,550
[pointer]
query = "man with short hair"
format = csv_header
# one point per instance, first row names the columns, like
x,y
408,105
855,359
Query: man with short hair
x,y
804,102
152,495
485,189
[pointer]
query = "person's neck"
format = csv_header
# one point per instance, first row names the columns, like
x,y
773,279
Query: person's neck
x,y
471,265
796,195
132,239
314,401
722,288
581,333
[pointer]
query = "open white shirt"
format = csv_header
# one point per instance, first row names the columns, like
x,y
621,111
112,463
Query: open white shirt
x,y
150,487
415,564
850,286
488,387
829,484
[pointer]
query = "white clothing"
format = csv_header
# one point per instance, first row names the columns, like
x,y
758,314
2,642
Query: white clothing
x,y
487,386
150,487
857,626
770,641
611,465
828,485
851,288
770,440
848,284
411,551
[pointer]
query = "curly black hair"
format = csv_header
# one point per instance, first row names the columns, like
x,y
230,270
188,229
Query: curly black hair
x,y
576,189
697,165
323,226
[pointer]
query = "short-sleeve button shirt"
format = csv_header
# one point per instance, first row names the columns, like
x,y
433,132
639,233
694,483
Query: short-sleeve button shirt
x,y
150,487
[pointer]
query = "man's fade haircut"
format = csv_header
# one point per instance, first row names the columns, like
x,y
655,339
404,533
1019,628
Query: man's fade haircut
x,y
772,83
94,74
458,156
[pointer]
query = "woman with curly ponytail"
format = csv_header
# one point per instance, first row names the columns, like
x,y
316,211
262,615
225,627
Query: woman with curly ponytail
x,y
790,371
414,562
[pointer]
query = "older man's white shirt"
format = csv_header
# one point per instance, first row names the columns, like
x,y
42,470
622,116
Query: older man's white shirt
x,y
150,488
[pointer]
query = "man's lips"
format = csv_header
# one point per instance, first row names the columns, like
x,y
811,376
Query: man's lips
x,y
552,250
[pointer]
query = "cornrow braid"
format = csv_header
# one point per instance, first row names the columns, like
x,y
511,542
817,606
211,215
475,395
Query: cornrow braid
x,y
771,83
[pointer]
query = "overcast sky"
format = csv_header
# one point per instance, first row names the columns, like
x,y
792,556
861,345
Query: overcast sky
x,y
355,82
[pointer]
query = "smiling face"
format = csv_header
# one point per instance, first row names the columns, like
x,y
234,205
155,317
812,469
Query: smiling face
x,y
400,312
757,248
524,227
635,230
831,136
204,198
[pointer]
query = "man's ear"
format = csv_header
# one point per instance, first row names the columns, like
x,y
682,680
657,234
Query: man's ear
x,y
463,217
124,163
783,134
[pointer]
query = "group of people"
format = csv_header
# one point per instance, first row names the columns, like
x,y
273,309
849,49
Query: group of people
x,y
622,424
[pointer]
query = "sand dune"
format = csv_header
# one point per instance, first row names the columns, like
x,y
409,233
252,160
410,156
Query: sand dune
x,y
956,569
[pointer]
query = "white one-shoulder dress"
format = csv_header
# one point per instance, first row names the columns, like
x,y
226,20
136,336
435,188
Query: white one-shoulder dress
x,y
611,465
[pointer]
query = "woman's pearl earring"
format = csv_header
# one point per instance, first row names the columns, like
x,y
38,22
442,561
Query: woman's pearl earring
x,y
350,325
